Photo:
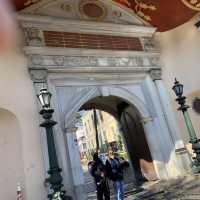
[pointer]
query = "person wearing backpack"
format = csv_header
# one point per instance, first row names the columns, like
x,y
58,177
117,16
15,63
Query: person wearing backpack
x,y
98,171
115,173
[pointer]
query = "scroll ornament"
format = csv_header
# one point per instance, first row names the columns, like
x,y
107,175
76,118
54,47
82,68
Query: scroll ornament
x,y
192,4
140,7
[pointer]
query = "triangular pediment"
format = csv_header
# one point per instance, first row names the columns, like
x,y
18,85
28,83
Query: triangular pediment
x,y
87,10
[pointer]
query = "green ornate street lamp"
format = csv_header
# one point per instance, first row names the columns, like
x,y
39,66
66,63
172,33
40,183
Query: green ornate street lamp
x,y
55,179
178,89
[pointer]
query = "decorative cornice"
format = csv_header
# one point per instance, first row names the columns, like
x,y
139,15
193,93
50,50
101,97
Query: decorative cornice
x,y
34,5
29,50
58,60
54,24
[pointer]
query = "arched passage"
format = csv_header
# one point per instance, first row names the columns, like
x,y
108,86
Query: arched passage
x,y
11,170
133,133
111,99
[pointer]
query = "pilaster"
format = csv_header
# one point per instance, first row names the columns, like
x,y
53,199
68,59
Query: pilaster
x,y
163,135
180,150
151,133
76,168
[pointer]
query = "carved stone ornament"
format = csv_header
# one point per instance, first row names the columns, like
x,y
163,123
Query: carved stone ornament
x,y
192,4
156,74
35,60
59,60
141,6
38,75
149,44
85,61
33,37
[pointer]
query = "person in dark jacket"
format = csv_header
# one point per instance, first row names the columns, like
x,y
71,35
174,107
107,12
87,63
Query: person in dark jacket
x,y
114,170
98,171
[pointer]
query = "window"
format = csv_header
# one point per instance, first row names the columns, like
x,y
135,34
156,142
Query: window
x,y
84,146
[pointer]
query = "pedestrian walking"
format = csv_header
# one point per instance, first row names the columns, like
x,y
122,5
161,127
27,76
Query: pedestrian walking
x,y
114,170
98,171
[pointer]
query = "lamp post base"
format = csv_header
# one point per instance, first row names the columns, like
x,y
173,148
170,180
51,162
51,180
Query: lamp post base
x,y
196,162
59,196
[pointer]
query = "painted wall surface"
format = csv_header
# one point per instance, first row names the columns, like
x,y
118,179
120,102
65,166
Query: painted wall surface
x,y
17,96
12,169
180,56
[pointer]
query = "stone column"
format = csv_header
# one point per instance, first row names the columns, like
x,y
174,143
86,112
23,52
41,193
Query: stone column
x,y
76,168
163,134
39,78
154,142
170,120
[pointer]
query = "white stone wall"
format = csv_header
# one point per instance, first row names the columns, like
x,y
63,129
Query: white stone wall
x,y
180,58
17,96
12,165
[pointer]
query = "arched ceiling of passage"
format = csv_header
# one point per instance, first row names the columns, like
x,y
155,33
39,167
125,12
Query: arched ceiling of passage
x,y
111,104
162,14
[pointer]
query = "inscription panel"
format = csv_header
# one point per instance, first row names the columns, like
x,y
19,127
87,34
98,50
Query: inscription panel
x,y
50,61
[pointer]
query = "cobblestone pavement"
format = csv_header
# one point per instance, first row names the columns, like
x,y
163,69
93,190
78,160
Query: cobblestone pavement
x,y
91,188
184,188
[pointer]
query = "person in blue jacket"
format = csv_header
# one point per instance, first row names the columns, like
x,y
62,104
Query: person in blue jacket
x,y
114,170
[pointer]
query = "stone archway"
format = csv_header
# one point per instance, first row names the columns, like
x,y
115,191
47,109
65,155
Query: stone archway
x,y
70,93
70,104
133,133
76,75
12,166
89,99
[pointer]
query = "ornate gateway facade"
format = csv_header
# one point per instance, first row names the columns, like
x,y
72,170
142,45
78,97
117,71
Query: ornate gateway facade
x,y
91,54
81,61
